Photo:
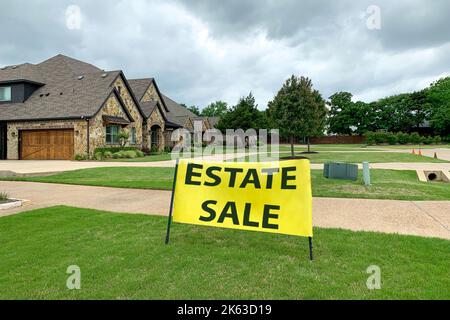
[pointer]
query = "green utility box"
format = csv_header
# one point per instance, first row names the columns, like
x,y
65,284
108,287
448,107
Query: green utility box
x,y
336,170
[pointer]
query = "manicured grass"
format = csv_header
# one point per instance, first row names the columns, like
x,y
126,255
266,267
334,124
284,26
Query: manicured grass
x,y
126,177
410,146
123,256
329,147
360,147
386,184
359,157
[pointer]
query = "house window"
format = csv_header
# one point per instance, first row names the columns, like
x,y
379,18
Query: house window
x,y
112,134
133,135
5,93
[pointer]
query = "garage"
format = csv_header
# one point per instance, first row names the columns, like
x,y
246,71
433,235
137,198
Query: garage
x,y
54,144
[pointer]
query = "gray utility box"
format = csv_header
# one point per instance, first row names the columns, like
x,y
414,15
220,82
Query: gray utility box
x,y
335,170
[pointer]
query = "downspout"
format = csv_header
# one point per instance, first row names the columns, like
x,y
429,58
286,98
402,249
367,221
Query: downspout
x,y
88,138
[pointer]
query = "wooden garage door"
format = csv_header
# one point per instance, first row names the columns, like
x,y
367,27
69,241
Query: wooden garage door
x,y
46,144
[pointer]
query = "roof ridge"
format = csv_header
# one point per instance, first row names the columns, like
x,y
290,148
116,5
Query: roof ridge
x,y
65,61
140,79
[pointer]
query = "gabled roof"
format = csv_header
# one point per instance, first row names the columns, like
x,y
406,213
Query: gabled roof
x,y
148,107
140,87
177,113
72,89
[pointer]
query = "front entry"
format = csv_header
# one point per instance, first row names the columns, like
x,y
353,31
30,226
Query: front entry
x,y
46,144
156,138
3,140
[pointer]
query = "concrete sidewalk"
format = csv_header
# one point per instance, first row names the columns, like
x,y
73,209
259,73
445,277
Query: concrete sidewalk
x,y
421,218
441,153
35,167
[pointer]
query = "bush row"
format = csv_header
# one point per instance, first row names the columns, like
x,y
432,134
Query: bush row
x,y
114,149
399,138
123,154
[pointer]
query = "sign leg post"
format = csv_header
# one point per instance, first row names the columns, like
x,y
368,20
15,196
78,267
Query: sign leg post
x,y
169,221
310,248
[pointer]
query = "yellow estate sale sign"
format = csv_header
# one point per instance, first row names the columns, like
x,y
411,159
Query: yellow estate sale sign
x,y
270,197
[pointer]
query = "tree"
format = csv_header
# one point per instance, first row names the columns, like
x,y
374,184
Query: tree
x,y
400,113
245,115
403,112
298,110
341,115
215,109
193,109
123,137
438,96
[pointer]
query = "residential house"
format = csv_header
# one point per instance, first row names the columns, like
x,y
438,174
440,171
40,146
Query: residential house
x,y
64,107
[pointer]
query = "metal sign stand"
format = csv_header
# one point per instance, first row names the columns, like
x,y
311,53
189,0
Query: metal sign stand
x,y
169,222
310,248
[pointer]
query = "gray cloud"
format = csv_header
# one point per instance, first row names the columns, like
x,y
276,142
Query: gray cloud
x,y
201,51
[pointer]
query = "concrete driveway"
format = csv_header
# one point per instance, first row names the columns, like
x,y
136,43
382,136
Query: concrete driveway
x,y
421,218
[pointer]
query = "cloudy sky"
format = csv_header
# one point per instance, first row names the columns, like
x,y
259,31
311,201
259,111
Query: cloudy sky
x,y
202,51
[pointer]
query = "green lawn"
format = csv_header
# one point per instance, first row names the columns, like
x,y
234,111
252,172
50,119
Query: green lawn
x,y
123,256
410,146
359,157
329,147
360,147
387,184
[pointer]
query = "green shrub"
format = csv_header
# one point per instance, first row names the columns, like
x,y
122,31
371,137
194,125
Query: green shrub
x,y
437,139
370,138
391,138
415,138
140,154
154,149
98,156
117,155
4,196
130,154
168,149
107,155
80,157
428,140
381,137
113,149
402,138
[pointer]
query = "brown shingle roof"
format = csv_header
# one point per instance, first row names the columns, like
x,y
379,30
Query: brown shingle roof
x,y
63,94
177,113
139,86
148,107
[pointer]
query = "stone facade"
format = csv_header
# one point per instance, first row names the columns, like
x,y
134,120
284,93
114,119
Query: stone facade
x,y
79,127
152,95
155,119
97,128
132,109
